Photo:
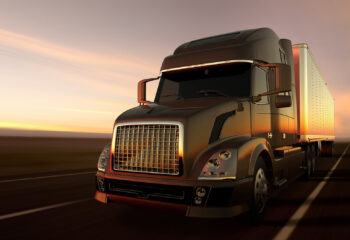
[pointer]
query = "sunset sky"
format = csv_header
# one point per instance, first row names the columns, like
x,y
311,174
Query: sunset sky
x,y
74,65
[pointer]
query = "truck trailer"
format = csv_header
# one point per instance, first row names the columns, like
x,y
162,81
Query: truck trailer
x,y
235,117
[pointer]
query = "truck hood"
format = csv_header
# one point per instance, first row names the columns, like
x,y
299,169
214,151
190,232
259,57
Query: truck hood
x,y
200,119
175,110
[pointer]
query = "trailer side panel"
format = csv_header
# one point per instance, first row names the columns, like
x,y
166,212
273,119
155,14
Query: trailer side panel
x,y
315,101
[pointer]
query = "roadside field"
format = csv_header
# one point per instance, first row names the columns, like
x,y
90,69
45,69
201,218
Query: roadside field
x,y
25,156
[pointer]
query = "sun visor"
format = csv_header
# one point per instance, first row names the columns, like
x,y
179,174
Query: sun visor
x,y
257,45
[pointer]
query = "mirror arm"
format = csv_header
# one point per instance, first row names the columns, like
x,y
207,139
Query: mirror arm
x,y
255,99
273,92
273,66
141,90
150,79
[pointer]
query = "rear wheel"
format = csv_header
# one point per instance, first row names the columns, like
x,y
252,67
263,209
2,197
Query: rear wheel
x,y
310,161
260,192
327,148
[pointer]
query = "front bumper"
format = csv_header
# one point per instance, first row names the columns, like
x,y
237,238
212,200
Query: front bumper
x,y
225,198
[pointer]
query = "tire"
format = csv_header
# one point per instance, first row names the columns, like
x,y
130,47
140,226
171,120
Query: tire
x,y
260,192
317,158
331,154
327,148
310,162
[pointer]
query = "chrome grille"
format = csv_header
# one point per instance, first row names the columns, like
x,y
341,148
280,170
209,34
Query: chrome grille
x,y
147,148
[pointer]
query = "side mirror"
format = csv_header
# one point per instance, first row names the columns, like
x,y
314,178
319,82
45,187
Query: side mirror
x,y
282,101
141,90
283,76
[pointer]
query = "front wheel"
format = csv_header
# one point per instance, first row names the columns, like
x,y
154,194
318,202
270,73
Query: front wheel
x,y
260,192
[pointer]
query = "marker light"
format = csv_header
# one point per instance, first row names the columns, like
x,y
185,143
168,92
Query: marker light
x,y
104,157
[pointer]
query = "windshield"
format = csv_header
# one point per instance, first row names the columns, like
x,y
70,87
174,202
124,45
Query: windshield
x,y
214,81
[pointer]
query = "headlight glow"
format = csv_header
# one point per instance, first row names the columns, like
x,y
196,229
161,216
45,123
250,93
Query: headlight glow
x,y
104,157
213,164
221,165
225,155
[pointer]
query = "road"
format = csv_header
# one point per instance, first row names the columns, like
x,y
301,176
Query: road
x,y
60,205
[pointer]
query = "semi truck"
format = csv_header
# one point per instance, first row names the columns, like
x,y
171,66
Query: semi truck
x,y
235,117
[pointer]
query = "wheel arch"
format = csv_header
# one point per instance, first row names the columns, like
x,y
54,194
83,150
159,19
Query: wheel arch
x,y
261,150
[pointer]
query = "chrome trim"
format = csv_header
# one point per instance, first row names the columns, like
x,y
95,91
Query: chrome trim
x,y
278,159
311,138
206,64
216,178
143,160
300,45
287,149
303,86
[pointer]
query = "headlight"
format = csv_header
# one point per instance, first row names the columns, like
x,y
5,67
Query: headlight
x,y
221,165
104,157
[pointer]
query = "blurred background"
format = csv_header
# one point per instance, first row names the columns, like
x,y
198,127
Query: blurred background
x,y
69,68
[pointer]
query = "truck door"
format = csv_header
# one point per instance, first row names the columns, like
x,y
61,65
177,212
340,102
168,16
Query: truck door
x,y
261,111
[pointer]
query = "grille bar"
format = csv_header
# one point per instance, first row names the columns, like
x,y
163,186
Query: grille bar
x,y
148,147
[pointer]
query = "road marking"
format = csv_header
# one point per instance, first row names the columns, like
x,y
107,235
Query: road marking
x,y
21,213
288,229
45,177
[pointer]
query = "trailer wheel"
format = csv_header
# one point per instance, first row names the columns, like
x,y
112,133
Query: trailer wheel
x,y
310,161
260,192
327,148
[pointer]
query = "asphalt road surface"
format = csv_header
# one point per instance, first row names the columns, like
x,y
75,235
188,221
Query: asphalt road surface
x,y
60,205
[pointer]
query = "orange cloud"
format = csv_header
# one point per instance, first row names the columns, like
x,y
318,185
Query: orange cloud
x,y
342,113
30,126
47,127
48,49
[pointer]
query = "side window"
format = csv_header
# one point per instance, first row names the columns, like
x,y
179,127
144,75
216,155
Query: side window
x,y
283,57
170,91
260,85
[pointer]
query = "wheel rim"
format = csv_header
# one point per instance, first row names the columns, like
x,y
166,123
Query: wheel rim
x,y
260,190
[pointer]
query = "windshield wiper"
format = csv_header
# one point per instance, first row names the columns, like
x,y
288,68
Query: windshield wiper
x,y
211,91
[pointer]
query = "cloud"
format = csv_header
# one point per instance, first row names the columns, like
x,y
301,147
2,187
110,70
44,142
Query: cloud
x,y
51,127
31,126
64,53
89,110
98,72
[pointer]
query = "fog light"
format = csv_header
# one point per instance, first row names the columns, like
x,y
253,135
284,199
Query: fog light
x,y
200,192
198,200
